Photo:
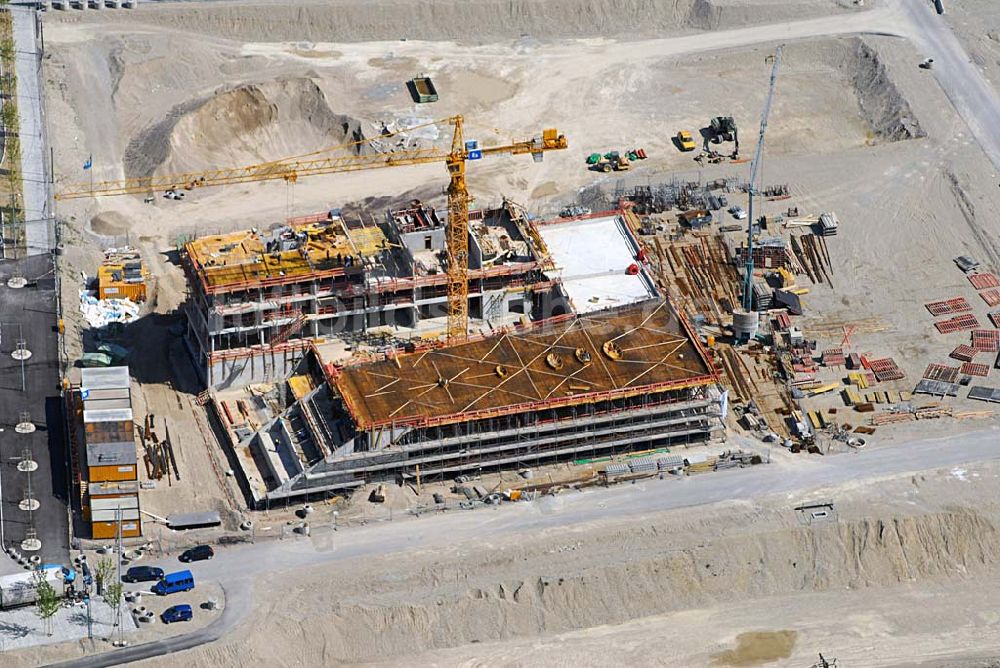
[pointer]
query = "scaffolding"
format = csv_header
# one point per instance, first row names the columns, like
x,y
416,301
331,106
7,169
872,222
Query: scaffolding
x,y
318,277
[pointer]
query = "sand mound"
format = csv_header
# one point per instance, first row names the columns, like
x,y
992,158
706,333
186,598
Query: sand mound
x,y
720,14
244,125
399,606
464,20
882,105
109,223
862,553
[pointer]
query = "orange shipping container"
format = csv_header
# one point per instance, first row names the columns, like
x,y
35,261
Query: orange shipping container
x,y
134,291
105,530
112,473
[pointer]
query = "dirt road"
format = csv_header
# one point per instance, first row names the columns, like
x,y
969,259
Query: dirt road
x,y
975,99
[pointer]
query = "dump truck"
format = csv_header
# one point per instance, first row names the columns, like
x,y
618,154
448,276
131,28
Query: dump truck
x,y
22,588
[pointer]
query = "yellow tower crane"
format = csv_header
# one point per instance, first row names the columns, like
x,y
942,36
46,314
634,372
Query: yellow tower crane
x,y
311,164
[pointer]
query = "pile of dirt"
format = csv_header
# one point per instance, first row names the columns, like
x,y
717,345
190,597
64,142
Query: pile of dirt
x,y
722,14
884,108
579,593
462,20
237,126
400,605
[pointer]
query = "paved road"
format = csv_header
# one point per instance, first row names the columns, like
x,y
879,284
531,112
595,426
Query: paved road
x,y
30,312
797,478
237,602
237,568
34,154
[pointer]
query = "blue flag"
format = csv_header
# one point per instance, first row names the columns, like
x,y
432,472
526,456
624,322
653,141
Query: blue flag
x,y
89,163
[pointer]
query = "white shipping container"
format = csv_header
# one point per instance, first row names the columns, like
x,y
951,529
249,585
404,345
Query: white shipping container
x,y
21,588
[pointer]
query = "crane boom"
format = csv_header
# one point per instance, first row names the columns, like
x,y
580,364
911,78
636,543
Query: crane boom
x,y
269,171
754,166
312,164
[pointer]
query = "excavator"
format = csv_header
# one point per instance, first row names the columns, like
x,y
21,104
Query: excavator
x,y
320,162
720,129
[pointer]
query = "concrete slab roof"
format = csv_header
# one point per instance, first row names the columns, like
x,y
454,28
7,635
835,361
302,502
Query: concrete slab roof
x,y
593,256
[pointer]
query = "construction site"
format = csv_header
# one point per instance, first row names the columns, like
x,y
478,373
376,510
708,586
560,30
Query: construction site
x,y
358,261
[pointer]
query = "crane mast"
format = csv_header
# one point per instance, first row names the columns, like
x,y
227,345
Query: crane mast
x,y
751,190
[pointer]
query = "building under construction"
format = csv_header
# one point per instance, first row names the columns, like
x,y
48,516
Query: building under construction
x,y
257,299
576,355
585,385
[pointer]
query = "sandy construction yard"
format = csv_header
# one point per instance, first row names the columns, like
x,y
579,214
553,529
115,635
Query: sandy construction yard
x,y
856,128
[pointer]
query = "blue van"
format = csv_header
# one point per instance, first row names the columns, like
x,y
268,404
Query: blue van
x,y
174,582
177,613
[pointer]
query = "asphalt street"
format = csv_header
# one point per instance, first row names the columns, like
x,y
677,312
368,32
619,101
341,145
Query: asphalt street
x,y
29,312
972,95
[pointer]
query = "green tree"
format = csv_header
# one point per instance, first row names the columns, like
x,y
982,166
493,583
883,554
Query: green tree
x,y
113,596
47,601
103,570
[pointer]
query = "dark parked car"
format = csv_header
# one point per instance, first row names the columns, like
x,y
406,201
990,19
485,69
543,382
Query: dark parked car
x,y
177,613
143,574
197,553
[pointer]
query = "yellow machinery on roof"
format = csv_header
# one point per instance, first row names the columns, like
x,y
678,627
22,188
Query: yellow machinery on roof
x,y
311,164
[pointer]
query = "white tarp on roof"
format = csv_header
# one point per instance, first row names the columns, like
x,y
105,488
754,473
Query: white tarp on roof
x,y
594,256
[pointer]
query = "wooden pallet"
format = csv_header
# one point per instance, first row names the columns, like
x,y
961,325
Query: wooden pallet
x,y
886,369
991,296
963,353
986,340
942,372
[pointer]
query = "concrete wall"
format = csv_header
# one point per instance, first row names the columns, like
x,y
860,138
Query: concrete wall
x,y
417,241
256,368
